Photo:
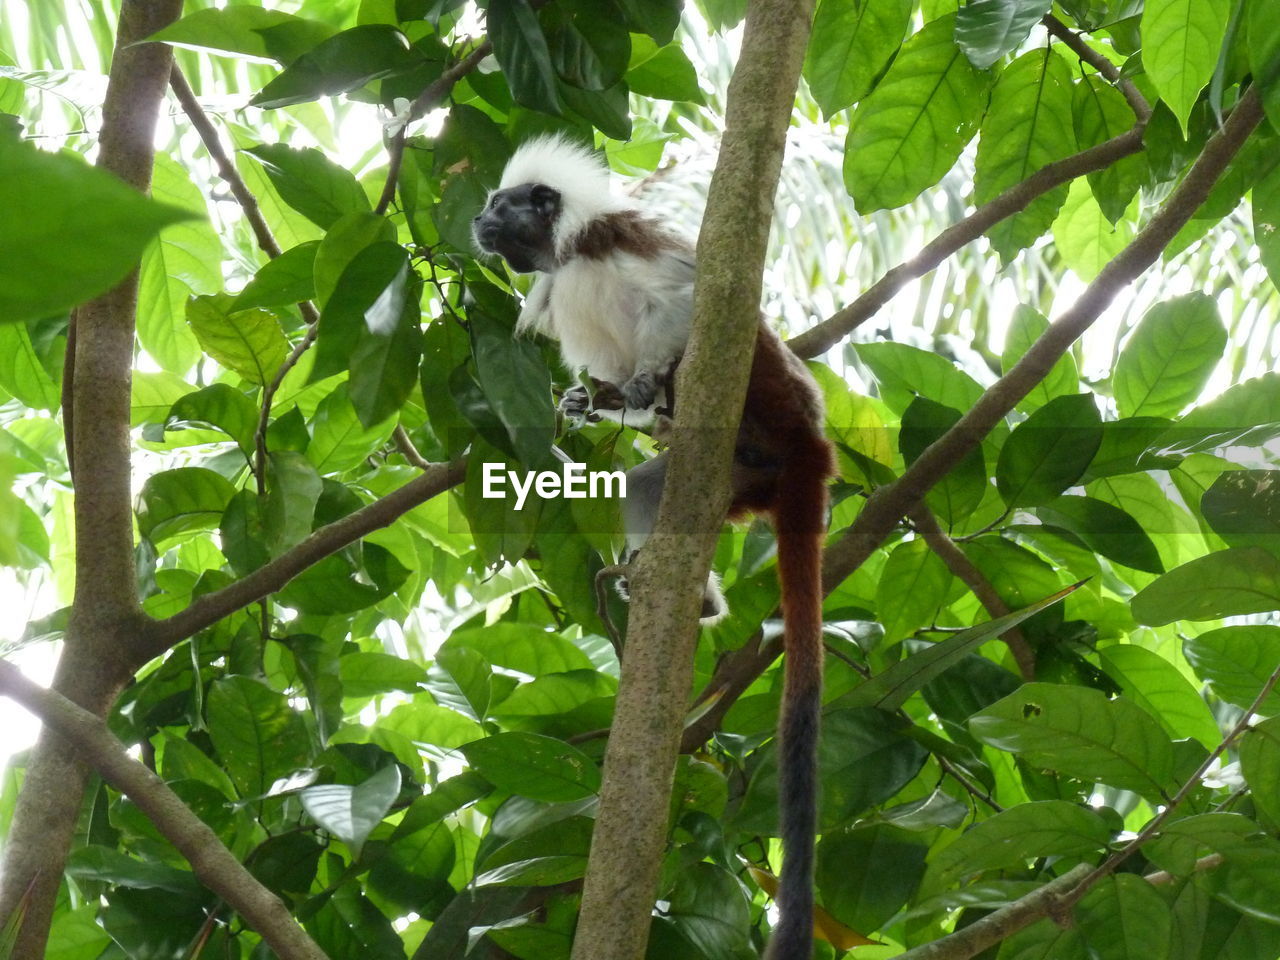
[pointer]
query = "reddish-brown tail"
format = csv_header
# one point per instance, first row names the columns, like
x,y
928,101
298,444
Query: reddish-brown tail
x,y
800,519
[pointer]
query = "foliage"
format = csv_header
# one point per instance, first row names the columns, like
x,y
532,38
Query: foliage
x,y
404,742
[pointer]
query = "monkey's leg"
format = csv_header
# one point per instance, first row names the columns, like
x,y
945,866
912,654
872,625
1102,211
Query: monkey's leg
x,y
640,513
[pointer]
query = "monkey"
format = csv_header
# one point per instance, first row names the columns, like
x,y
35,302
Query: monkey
x,y
614,287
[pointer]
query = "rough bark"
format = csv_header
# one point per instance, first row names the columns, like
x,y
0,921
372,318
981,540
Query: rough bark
x,y
631,827
213,864
105,618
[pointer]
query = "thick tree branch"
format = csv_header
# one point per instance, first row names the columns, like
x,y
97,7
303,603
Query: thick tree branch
x,y
945,548
1109,71
212,862
97,658
738,670
667,579
831,331
212,607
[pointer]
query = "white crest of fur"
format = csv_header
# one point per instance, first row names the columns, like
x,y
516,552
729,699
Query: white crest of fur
x,y
580,177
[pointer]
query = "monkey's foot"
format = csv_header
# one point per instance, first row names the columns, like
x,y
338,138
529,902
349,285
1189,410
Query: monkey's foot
x,y
640,391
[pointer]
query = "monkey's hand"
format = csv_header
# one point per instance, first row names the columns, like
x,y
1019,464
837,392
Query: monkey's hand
x,y
640,391
576,402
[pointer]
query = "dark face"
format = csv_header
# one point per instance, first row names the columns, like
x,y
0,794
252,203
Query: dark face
x,y
517,224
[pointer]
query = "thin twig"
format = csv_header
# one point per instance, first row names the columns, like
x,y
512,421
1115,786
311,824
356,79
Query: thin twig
x,y
951,770
409,451
1137,102
269,395
222,160
961,566
435,92
831,331
214,865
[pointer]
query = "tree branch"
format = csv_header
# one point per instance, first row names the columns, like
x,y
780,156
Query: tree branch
x,y
435,92
961,566
739,669
212,862
831,331
97,657
1137,102
208,609
222,160
667,580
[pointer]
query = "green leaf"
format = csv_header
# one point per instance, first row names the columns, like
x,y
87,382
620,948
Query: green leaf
x,y
849,47
1266,221
1124,918
342,244
710,908
590,51
986,30
1243,507
1156,685
1026,327
311,183
864,758
523,54
338,441
957,495
1264,58
1099,113
293,487
1083,235
174,502
1049,451
1027,127
891,688
289,278
111,866
384,363
1260,764
912,128
351,813
69,231
1169,358
865,875
1046,828
903,371
1237,662
367,673
246,30
534,766
182,262
1242,415
370,298
913,587
332,585
341,64
1180,44
221,407
23,540
524,648
517,385
535,872
664,73
22,375
1080,733
1228,583
250,342
74,935
258,736
1106,529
